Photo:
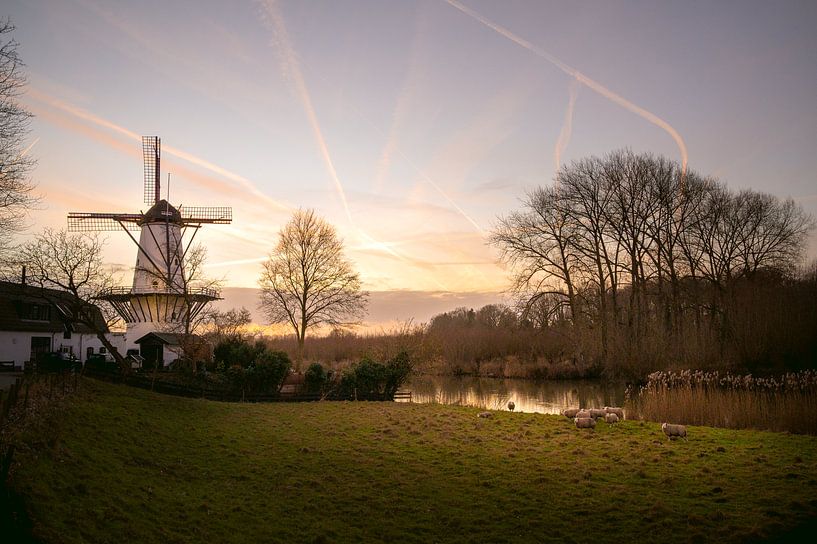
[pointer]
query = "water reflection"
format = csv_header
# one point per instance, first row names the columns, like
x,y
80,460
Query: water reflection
x,y
544,397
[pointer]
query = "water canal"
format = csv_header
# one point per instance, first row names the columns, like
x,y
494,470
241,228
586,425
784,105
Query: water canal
x,y
544,397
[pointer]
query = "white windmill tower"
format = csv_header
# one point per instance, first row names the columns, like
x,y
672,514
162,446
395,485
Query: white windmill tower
x,y
160,296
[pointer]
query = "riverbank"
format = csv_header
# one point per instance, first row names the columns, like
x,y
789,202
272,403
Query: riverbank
x,y
120,463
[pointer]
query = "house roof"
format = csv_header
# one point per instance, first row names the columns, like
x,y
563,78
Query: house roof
x,y
16,298
166,338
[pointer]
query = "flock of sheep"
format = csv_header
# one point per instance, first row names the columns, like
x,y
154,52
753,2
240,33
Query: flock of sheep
x,y
585,418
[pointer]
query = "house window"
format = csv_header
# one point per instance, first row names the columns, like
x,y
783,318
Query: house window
x,y
35,312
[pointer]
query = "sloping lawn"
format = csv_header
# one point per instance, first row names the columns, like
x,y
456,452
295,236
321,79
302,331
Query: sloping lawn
x,y
125,465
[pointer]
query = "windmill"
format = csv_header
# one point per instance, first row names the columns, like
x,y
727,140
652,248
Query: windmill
x,y
160,296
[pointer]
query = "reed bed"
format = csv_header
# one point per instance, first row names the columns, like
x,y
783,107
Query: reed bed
x,y
781,403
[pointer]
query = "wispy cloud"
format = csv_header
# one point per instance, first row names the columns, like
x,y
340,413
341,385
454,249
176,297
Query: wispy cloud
x,y
567,125
29,147
81,114
590,83
292,70
404,100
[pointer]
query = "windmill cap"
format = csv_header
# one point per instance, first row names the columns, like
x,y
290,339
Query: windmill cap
x,y
162,212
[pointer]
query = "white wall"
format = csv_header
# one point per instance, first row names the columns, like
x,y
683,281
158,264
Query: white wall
x,y
16,346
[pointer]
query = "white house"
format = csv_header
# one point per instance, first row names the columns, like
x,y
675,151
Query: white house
x,y
33,321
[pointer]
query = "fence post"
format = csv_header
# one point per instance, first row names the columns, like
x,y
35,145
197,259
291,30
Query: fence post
x,y
25,402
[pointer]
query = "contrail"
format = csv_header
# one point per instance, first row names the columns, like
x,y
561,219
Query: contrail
x,y
404,101
30,146
395,149
567,126
193,159
590,83
291,67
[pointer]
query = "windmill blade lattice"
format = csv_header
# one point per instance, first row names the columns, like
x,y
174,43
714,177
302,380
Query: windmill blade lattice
x,y
207,214
102,222
152,154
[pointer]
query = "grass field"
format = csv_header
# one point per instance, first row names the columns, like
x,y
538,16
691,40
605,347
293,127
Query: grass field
x,y
125,465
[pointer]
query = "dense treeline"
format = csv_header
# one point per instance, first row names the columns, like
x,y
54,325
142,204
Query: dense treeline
x,y
649,267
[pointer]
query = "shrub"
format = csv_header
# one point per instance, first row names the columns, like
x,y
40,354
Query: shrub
x,y
315,378
235,351
255,369
370,380
270,370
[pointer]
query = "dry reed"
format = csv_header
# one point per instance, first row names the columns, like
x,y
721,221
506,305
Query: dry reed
x,y
782,403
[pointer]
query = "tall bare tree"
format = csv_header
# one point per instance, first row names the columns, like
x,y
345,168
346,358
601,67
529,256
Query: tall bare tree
x,y
73,263
16,188
308,282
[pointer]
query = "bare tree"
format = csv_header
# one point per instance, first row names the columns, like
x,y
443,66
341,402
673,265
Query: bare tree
x,y
307,281
539,244
73,263
15,185
231,323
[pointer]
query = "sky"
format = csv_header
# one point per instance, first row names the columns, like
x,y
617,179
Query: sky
x,y
410,126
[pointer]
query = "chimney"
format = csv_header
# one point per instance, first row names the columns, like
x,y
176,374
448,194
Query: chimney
x,y
23,277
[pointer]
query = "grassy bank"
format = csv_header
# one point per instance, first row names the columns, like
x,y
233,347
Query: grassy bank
x,y
121,464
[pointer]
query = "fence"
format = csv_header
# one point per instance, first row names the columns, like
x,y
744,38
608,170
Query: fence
x,y
15,407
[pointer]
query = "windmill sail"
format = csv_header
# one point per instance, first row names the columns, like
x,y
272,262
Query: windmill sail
x,y
96,222
206,214
151,152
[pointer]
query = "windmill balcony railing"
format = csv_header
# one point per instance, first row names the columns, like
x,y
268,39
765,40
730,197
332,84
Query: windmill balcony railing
x,y
195,292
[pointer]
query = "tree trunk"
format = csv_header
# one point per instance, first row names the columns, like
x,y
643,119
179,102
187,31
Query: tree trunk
x,y
300,361
124,367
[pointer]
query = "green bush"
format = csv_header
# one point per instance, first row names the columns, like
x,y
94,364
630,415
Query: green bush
x,y
251,369
370,380
235,351
315,378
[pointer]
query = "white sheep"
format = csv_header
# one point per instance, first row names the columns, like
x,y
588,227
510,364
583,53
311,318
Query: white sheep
x,y
673,431
571,412
611,418
614,410
511,406
585,422
596,413
583,414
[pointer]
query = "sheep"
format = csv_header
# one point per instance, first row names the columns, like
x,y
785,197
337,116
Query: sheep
x,y
583,414
585,422
611,418
485,414
672,431
511,406
571,412
596,413
617,411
